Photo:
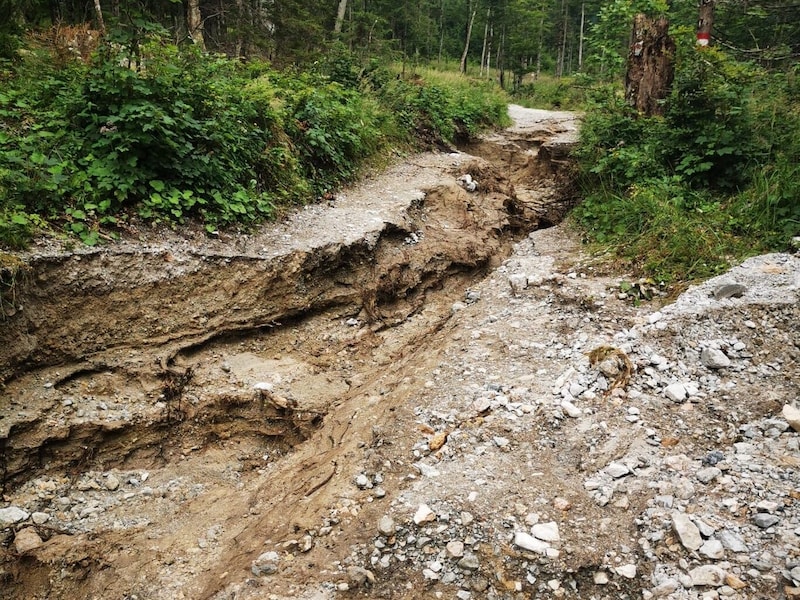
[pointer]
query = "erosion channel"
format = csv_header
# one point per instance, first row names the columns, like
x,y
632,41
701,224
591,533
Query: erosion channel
x,y
420,389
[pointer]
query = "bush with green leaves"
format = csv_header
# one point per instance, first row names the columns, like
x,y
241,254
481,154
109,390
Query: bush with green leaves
x,y
714,179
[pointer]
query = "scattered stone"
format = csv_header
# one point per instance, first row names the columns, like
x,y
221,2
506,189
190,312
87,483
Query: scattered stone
x,y
265,564
729,290
386,526
707,575
570,409
530,543
469,562
792,415
362,481
687,532
676,392
665,588
437,441
455,549
424,514
547,532
501,442
359,576
617,470
561,504
708,474
12,515
112,482
40,518
627,571
734,582
765,520
600,578
27,539
712,358
712,548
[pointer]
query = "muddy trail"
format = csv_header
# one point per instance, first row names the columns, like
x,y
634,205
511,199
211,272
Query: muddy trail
x,y
421,389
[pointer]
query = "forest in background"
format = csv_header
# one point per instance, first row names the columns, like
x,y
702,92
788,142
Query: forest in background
x,y
228,110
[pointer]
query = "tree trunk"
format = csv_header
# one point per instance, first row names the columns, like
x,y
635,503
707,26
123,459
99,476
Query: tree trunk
x,y
463,67
194,21
580,39
705,22
337,27
485,40
562,52
651,65
101,25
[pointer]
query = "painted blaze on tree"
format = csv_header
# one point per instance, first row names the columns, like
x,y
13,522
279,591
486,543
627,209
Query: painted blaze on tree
x,y
651,65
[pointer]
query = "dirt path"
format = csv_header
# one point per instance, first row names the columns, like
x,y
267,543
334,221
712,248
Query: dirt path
x,y
401,395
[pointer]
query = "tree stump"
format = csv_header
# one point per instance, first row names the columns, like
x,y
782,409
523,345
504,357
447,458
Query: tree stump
x,y
651,65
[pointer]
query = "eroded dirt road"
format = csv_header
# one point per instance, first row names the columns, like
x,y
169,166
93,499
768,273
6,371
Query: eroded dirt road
x,y
400,395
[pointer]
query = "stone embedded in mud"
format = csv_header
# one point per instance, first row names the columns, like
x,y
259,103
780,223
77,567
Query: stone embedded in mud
x,y
469,562
386,526
729,290
455,549
359,576
627,571
713,549
111,483
547,532
530,543
765,520
12,515
676,392
27,539
40,518
265,564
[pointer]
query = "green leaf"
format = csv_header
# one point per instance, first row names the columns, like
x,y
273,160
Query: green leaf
x,y
157,185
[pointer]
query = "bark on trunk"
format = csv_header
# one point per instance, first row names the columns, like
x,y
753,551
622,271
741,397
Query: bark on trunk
x,y
705,22
485,39
101,24
651,65
194,22
337,27
463,67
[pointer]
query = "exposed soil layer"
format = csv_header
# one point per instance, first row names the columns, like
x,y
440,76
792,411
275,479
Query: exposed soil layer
x,y
415,391
144,355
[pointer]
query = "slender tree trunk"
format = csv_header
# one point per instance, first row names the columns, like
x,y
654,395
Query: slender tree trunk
x,y
340,13
563,49
485,40
580,39
441,31
194,21
101,24
651,65
466,44
539,48
705,22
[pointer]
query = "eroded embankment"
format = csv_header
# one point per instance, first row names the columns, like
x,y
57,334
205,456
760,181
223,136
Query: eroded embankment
x,y
119,360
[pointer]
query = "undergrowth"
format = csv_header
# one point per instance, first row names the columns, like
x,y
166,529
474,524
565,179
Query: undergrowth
x,y
716,179
149,130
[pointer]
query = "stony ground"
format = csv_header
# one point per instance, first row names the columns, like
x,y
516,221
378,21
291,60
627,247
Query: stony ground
x,y
523,429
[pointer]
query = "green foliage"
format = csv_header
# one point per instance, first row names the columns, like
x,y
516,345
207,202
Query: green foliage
x,y
150,130
715,178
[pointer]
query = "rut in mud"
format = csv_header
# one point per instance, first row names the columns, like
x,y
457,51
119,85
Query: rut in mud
x,y
238,378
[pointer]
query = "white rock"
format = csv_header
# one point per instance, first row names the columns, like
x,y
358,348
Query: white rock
x,y
792,416
112,482
687,532
40,518
570,409
386,526
600,578
265,564
616,470
12,515
710,575
424,514
713,358
712,548
528,542
455,549
655,318
676,392
547,532
628,571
